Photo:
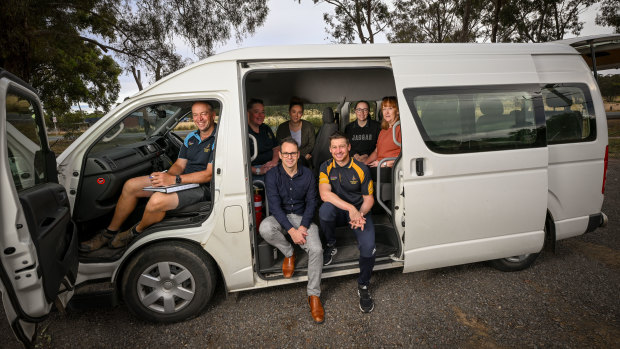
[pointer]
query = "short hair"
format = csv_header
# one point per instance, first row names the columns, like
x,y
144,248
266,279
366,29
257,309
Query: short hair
x,y
209,104
338,135
296,101
362,101
389,101
253,101
289,140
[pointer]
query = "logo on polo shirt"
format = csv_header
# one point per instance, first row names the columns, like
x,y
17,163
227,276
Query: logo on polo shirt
x,y
207,149
190,143
353,180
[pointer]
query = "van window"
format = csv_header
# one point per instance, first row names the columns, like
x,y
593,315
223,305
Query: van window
x,y
569,113
464,120
23,142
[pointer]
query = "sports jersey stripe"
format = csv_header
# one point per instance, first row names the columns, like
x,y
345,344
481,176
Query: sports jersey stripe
x,y
360,172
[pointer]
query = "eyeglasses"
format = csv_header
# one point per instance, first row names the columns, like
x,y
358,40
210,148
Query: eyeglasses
x,y
361,110
204,113
289,155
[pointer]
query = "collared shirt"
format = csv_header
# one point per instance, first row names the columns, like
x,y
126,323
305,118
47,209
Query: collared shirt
x,y
288,194
363,140
350,182
197,152
266,142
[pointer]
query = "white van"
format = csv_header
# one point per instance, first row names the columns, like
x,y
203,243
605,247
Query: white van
x,y
503,150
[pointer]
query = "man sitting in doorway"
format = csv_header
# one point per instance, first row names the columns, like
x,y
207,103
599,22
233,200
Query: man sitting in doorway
x,y
194,165
291,192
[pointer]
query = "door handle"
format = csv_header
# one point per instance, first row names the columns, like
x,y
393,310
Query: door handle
x,y
419,166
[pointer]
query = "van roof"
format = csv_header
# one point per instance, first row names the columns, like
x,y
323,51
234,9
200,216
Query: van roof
x,y
361,51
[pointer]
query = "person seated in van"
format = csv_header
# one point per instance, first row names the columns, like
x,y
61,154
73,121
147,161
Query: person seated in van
x,y
301,131
267,143
193,165
363,132
347,190
291,193
386,148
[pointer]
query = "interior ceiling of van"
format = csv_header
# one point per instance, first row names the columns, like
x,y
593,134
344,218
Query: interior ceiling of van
x,y
319,85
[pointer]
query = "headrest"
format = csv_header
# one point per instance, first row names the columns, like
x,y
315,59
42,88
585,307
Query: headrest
x,y
556,100
491,107
328,115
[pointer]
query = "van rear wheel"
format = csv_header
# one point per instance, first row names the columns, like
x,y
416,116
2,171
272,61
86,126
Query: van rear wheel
x,y
169,282
514,263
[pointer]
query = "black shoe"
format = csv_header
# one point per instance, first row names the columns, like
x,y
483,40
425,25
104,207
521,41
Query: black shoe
x,y
366,302
328,254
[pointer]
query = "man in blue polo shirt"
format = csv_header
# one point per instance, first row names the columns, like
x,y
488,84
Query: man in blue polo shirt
x,y
291,192
194,165
346,189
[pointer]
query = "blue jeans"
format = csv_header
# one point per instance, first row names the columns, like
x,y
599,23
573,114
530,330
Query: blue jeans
x,y
332,217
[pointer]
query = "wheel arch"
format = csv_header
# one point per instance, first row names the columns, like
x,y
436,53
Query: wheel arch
x,y
122,268
550,237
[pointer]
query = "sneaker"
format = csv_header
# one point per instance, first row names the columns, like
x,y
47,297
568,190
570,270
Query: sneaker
x,y
123,239
366,302
96,242
328,254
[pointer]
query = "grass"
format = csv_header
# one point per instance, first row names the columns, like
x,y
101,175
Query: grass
x,y
613,128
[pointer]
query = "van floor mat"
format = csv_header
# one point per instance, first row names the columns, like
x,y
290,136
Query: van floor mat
x,y
347,255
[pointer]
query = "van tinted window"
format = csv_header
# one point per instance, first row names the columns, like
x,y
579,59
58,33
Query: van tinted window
x,y
569,113
464,120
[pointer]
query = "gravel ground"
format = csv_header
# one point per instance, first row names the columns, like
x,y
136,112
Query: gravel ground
x,y
567,299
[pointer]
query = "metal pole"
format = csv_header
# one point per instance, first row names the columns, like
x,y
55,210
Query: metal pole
x,y
593,55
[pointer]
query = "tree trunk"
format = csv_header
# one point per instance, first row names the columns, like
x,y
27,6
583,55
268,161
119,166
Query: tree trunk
x,y
137,77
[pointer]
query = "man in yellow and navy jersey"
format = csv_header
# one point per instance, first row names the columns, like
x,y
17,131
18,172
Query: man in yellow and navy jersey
x,y
346,189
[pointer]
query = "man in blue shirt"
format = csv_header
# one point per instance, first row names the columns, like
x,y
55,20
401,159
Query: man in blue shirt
x,y
346,189
291,192
194,165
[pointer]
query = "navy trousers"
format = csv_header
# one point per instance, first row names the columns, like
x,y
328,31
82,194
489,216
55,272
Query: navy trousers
x,y
332,217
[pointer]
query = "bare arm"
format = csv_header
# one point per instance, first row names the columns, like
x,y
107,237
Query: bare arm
x,y
169,178
325,191
372,157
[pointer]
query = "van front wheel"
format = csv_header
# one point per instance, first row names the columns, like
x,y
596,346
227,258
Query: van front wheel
x,y
169,282
514,263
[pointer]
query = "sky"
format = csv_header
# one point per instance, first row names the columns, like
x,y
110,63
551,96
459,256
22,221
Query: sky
x,y
292,23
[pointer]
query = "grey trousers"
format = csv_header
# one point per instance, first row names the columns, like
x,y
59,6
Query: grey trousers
x,y
273,233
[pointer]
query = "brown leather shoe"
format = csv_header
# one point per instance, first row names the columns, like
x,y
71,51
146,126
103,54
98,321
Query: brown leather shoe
x,y
288,266
96,242
316,309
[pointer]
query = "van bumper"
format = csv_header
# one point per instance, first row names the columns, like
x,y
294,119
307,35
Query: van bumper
x,y
598,220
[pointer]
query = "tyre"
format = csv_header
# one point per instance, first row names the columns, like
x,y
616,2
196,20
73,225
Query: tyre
x,y
514,263
169,282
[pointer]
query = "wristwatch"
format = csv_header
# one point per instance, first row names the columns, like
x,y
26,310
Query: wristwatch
x,y
258,170
178,180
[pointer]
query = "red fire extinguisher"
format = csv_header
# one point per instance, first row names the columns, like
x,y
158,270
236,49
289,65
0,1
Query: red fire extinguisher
x,y
258,207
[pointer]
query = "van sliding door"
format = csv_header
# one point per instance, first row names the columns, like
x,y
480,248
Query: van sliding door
x,y
474,163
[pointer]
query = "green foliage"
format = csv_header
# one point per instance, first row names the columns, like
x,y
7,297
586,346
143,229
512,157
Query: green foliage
x,y
609,14
49,46
476,20
146,30
610,86
354,20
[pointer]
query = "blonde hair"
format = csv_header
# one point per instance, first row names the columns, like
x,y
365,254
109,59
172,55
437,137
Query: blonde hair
x,y
389,101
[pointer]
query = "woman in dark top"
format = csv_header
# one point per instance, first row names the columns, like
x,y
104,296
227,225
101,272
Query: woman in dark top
x,y
301,131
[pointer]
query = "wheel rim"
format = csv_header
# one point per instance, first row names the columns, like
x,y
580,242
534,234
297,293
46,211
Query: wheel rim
x,y
166,287
517,259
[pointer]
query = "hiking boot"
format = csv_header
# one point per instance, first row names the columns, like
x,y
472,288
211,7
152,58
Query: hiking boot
x,y
124,238
366,302
96,242
328,254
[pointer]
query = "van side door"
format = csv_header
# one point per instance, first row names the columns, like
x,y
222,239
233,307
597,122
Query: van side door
x,y
38,240
474,161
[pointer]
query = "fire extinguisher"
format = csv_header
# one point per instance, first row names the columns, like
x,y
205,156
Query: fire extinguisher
x,y
258,207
